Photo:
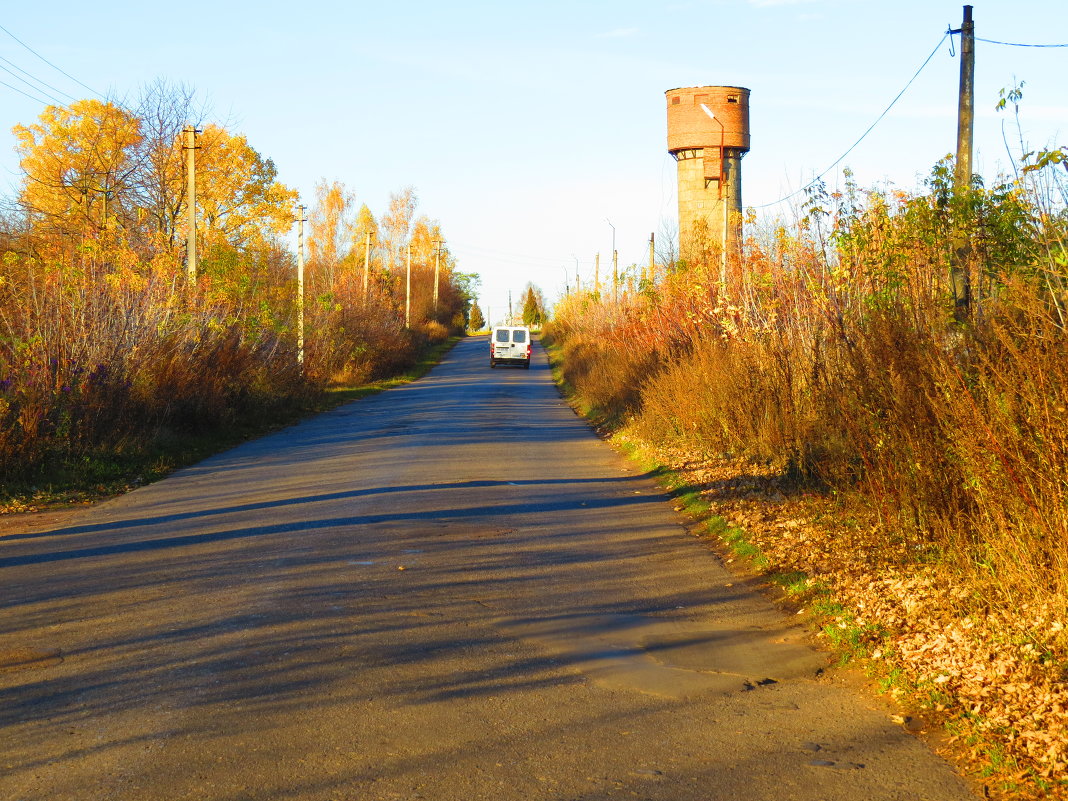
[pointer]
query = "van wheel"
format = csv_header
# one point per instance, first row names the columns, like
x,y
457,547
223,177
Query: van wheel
x,y
492,364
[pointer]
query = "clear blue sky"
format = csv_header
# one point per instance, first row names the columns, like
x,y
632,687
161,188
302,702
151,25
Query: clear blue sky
x,y
526,126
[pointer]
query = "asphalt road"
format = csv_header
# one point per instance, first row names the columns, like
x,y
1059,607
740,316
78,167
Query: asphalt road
x,y
452,590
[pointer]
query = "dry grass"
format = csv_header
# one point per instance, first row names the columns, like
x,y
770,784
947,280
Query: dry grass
x,y
102,353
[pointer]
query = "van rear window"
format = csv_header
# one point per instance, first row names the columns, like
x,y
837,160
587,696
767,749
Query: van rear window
x,y
502,335
519,336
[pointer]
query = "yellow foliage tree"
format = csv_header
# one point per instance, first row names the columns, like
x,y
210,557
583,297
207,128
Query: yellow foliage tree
x,y
243,204
331,229
79,162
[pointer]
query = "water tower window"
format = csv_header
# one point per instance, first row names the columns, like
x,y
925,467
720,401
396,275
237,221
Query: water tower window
x,y
675,101
732,98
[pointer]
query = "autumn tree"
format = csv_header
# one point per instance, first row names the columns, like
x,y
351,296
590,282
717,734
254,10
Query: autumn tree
x,y
163,110
79,162
243,205
424,239
396,226
331,231
364,224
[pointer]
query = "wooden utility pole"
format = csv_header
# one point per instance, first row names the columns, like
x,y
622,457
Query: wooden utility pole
x,y
190,132
437,271
962,176
301,219
597,273
366,265
652,258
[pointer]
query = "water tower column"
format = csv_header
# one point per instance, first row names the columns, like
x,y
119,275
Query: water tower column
x,y
708,134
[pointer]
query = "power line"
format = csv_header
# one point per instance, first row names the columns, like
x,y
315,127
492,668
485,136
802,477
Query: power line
x,y
1017,44
27,94
49,63
53,98
864,135
33,77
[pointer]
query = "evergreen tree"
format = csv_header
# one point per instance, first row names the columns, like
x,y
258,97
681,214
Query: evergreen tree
x,y
478,322
533,308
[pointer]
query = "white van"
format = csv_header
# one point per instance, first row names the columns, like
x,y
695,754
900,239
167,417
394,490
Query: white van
x,y
510,344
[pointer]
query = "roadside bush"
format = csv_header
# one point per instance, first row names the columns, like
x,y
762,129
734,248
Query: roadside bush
x,y
834,353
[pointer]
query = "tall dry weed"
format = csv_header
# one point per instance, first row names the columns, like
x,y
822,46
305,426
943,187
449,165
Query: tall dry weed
x,y
100,351
833,352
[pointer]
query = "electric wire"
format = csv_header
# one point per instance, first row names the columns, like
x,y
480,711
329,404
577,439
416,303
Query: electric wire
x,y
34,78
26,94
49,63
53,98
864,135
1016,44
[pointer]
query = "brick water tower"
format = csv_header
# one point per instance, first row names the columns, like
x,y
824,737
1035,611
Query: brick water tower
x,y
708,133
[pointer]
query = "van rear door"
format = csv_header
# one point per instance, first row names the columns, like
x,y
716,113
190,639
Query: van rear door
x,y
502,343
509,343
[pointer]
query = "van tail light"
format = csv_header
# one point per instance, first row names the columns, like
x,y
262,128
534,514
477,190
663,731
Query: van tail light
x,y
528,350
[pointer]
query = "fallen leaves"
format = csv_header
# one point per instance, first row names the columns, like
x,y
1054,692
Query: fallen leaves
x,y
995,675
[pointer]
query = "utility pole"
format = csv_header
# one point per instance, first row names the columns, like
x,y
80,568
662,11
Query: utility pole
x,y
615,276
366,265
509,307
191,132
301,219
962,176
965,102
107,193
408,291
437,271
597,273
615,266
652,258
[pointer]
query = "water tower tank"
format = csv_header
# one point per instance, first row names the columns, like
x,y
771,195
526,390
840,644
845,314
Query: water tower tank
x,y
708,134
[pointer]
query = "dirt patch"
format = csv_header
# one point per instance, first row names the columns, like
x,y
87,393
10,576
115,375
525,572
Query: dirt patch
x,y
42,522
986,687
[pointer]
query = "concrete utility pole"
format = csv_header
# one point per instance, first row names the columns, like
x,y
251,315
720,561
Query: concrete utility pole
x,y
962,176
652,258
615,265
366,265
107,194
615,276
597,273
965,102
509,307
191,132
437,271
301,219
408,291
